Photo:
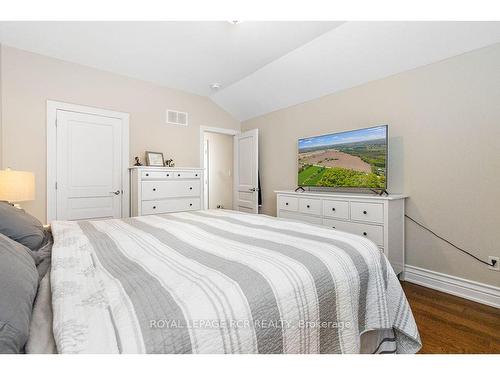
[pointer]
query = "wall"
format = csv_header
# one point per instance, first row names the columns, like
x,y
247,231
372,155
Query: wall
x,y
444,126
29,80
220,147
1,131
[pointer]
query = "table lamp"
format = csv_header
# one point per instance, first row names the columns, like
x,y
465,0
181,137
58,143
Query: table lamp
x,y
16,186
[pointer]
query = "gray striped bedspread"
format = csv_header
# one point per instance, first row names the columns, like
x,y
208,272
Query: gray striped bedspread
x,y
221,281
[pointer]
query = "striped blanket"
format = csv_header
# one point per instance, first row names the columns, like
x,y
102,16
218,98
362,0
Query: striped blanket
x,y
221,281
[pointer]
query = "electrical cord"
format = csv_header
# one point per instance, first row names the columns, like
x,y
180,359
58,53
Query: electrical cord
x,y
492,264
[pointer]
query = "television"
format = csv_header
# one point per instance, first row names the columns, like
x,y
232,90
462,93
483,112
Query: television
x,y
350,159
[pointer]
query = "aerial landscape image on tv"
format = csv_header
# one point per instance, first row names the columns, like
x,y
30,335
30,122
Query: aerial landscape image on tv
x,y
350,159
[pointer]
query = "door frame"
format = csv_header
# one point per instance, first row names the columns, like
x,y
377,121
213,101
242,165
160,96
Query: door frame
x,y
52,108
212,129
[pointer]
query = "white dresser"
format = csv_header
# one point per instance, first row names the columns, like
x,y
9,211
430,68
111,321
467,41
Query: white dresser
x,y
156,190
379,218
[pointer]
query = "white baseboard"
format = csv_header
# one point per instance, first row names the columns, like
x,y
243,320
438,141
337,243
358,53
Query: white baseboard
x,y
472,290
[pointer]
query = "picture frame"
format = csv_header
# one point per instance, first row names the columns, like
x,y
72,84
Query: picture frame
x,y
154,159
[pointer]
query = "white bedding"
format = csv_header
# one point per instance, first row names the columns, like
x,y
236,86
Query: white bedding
x,y
223,282
40,339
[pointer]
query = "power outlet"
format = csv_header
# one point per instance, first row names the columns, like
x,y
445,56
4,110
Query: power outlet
x,y
496,267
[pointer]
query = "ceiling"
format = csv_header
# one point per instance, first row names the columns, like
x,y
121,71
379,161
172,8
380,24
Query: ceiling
x,y
261,66
183,55
349,55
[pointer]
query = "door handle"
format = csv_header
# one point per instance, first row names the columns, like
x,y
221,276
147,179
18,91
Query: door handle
x,y
115,192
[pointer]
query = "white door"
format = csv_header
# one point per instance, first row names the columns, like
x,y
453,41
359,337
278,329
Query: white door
x,y
246,159
89,166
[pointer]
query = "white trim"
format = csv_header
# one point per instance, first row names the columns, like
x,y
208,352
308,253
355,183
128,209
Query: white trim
x,y
212,129
206,171
125,164
471,290
52,108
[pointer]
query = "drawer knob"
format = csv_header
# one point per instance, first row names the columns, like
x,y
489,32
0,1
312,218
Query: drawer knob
x,y
365,234
190,205
190,188
365,212
154,207
286,204
168,174
147,174
308,206
333,208
196,175
334,228
178,174
154,189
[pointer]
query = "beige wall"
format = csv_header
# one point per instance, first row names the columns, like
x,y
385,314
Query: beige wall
x,y
444,126
28,80
1,132
220,147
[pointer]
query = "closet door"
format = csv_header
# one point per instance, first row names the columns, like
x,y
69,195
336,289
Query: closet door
x,y
89,166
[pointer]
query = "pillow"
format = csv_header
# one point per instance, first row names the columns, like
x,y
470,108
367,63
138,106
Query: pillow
x,y
20,226
43,255
18,287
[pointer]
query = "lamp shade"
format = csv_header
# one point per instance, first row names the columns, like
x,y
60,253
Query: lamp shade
x,y
17,186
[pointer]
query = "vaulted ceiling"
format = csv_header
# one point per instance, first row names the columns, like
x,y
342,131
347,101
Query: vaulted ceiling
x,y
260,66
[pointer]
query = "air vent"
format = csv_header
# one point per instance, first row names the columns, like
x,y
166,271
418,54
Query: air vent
x,y
177,118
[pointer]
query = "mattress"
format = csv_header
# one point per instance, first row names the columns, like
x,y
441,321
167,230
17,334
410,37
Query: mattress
x,y
221,281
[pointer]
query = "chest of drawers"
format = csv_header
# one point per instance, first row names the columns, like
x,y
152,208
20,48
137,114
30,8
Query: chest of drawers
x,y
380,219
156,190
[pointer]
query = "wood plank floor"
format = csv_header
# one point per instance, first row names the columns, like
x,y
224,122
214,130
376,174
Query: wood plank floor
x,y
449,324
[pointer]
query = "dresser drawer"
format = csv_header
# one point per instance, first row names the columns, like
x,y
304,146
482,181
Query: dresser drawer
x,y
336,209
155,175
370,212
337,224
372,232
310,206
173,205
300,217
187,174
152,190
288,203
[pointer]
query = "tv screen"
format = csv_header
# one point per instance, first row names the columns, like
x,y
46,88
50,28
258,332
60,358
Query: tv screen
x,y
355,159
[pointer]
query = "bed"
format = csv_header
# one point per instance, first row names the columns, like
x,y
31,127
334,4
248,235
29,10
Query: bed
x,y
221,281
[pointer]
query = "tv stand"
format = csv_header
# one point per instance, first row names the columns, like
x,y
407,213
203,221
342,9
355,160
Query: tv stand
x,y
300,188
378,218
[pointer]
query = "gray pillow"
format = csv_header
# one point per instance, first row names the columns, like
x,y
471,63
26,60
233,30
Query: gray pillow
x,y
20,226
18,287
43,255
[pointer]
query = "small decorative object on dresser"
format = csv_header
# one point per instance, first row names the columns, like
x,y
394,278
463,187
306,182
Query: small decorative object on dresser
x,y
169,163
161,190
379,218
137,162
154,159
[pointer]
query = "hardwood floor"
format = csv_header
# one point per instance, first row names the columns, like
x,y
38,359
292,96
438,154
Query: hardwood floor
x,y
449,324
